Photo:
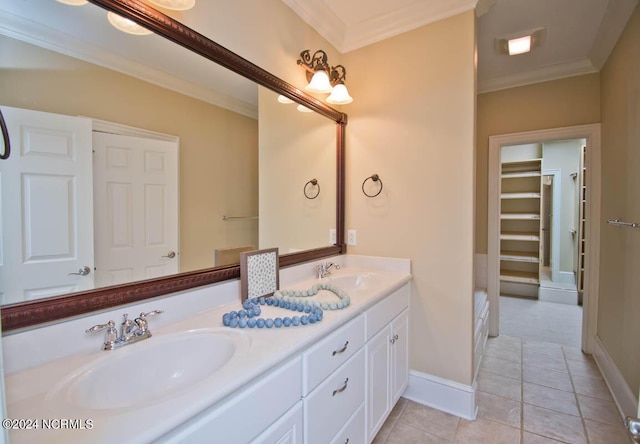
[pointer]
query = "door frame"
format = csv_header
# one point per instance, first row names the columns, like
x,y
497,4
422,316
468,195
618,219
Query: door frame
x,y
555,224
592,134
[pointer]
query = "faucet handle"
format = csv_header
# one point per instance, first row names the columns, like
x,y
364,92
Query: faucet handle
x,y
143,315
111,336
141,320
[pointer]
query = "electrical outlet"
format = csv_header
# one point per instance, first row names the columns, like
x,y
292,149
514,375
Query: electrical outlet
x,y
332,236
351,237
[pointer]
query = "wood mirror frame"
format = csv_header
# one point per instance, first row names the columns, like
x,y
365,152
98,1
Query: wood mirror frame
x,y
27,314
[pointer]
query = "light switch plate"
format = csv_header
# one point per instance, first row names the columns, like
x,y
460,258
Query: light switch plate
x,y
332,236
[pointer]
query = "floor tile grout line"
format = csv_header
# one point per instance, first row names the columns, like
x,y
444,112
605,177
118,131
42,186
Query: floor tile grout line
x,y
393,424
575,395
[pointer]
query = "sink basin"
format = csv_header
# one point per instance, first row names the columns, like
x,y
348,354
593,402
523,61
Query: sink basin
x,y
354,282
150,370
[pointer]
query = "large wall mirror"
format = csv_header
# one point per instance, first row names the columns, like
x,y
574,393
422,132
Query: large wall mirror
x,y
190,161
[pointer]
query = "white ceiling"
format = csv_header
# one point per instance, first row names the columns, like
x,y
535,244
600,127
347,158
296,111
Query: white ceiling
x,y
580,34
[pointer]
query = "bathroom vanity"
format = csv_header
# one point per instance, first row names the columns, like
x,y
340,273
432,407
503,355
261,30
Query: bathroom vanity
x,y
333,381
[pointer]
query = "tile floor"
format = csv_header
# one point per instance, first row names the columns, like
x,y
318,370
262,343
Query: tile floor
x,y
529,392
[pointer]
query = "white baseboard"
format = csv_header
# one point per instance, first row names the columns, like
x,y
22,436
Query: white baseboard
x,y
567,277
624,398
558,295
442,394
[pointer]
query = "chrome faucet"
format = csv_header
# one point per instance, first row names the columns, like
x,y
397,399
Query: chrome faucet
x,y
130,331
324,270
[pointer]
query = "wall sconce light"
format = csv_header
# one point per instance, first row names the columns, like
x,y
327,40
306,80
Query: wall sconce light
x,y
175,5
73,2
323,78
126,25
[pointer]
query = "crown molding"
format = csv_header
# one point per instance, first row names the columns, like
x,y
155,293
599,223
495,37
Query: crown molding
x,y
54,40
400,21
345,38
321,18
544,74
613,23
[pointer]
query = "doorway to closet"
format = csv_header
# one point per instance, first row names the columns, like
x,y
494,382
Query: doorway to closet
x,y
542,229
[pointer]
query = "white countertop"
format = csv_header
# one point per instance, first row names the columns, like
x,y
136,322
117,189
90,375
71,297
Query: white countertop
x,y
28,390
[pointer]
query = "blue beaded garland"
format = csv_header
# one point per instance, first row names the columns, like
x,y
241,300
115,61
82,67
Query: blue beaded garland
x,y
295,297
251,309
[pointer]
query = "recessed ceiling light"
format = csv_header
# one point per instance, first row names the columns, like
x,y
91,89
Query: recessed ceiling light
x,y
519,45
521,42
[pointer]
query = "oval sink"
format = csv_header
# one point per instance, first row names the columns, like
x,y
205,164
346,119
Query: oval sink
x,y
354,282
149,370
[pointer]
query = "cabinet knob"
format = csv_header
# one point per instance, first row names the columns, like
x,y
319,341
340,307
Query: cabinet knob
x,y
393,339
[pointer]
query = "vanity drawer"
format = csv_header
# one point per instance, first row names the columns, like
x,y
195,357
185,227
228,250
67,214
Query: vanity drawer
x,y
244,415
328,408
326,355
384,311
354,431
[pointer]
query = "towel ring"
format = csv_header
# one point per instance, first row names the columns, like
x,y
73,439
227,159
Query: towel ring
x,y
374,178
313,182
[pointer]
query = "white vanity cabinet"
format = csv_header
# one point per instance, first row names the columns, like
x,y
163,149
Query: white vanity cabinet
x,y
250,413
339,390
387,352
334,385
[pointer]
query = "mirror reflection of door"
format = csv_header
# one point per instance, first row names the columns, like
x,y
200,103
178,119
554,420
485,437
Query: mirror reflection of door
x,y
46,185
136,208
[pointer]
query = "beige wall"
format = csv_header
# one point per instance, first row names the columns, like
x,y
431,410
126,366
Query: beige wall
x,y
295,147
218,148
412,122
619,303
554,104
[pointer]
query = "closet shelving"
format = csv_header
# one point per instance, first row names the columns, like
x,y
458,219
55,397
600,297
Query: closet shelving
x,y
520,221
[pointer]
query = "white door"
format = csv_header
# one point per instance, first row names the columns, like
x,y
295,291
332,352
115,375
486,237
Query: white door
x,y
46,204
136,208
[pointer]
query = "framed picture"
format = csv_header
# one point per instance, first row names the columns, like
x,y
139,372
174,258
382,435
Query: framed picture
x,y
259,273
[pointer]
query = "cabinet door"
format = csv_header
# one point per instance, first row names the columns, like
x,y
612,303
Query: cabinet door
x,y
399,355
378,380
286,430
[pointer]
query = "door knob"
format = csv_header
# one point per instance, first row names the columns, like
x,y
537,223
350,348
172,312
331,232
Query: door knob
x,y
171,255
82,271
633,425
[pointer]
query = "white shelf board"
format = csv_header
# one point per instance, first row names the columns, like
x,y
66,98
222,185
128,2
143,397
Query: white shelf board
x,y
519,256
521,277
521,174
520,196
520,216
521,236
